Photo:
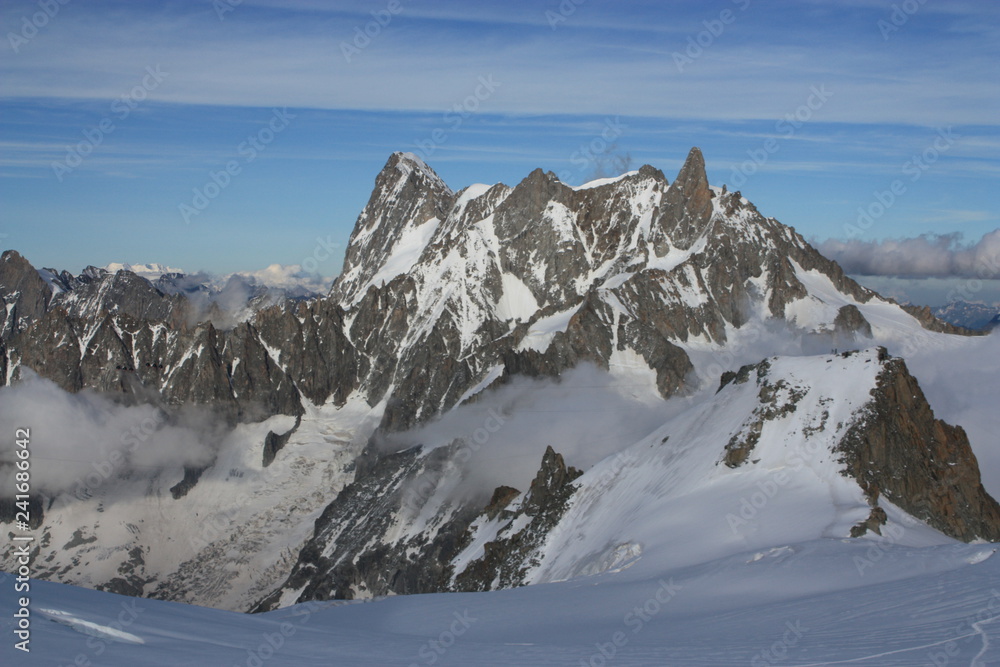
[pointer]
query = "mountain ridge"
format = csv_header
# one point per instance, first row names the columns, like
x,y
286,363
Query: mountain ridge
x,y
447,299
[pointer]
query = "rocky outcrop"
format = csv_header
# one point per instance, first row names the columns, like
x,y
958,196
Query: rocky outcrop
x,y
274,443
24,293
930,322
776,400
365,544
507,559
900,451
687,205
849,324
357,548
873,524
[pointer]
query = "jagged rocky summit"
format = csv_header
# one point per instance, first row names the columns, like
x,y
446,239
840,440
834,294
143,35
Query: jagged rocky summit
x,y
442,292
445,295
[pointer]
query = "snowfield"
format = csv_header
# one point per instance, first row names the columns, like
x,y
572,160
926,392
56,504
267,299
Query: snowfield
x,y
869,601
663,558
667,552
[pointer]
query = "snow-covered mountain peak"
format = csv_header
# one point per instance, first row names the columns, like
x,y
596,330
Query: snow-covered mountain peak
x,y
147,271
407,203
448,300
632,263
409,163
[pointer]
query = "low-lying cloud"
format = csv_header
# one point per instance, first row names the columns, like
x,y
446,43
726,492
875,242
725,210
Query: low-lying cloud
x,y
586,416
79,442
925,256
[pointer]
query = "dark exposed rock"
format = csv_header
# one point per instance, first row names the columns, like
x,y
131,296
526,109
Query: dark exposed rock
x,y
849,323
502,497
928,321
506,559
35,510
742,375
191,476
132,582
23,291
406,194
349,554
777,399
273,443
899,450
687,206
321,360
876,519
342,560
121,292
78,539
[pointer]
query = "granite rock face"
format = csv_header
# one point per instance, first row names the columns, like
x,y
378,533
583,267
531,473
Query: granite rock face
x,y
900,451
527,523
439,291
443,295
402,527
397,530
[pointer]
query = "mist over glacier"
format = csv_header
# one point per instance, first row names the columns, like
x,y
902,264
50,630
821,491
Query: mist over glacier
x,y
86,439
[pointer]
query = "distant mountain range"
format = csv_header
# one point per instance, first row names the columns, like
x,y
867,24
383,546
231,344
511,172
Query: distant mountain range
x,y
505,385
974,316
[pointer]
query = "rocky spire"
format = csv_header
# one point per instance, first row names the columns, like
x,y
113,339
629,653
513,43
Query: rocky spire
x,y
407,195
24,291
687,205
899,450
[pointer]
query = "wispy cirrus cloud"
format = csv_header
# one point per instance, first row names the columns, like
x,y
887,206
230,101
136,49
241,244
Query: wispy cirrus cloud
x,y
958,216
560,84
265,54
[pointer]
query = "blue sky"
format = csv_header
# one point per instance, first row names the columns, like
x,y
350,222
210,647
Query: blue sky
x,y
811,108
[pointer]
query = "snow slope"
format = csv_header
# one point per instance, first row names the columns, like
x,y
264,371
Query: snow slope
x,y
820,602
669,500
225,543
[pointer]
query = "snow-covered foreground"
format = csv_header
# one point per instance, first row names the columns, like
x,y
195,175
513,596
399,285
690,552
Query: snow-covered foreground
x,y
854,602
